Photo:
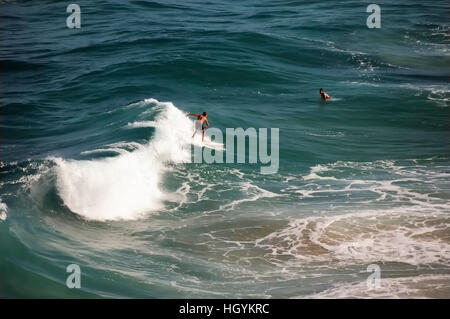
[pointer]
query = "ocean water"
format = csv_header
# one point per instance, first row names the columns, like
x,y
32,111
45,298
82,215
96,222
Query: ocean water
x,y
96,170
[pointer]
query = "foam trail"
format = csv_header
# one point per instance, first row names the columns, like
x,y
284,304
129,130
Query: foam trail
x,y
121,148
142,124
126,186
104,150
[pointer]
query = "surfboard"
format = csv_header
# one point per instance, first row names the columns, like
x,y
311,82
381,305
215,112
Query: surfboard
x,y
197,141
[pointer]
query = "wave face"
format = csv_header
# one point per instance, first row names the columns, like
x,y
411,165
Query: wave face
x,y
128,185
96,169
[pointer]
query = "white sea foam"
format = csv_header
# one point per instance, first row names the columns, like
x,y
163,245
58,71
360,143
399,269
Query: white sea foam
x,y
388,211
120,148
103,150
127,186
315,170
413,186
254,193
423,286
142,124
365,237
327,133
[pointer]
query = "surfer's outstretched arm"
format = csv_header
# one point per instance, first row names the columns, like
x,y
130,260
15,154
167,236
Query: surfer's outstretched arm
x,y
192,114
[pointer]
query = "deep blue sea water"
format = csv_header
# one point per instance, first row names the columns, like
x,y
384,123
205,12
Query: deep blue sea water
x,y
94,169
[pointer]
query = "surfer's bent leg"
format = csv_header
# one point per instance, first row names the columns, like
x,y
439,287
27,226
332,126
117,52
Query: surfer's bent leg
x,y
203,133
197,127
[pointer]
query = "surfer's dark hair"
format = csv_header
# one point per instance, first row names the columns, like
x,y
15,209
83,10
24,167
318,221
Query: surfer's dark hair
x,y
321,90
204,113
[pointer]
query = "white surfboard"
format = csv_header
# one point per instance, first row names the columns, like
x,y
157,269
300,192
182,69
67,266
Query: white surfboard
x,y
197,141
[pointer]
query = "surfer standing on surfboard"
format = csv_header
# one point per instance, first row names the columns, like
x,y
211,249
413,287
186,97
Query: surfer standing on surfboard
x,y
198,124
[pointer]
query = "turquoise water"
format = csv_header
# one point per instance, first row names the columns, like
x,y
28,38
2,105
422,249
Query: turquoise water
x,y
95,170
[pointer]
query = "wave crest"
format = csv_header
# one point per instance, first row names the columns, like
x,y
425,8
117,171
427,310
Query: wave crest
x,y
126,186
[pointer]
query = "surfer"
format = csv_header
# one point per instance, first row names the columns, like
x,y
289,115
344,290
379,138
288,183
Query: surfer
x,y
198,124
324,95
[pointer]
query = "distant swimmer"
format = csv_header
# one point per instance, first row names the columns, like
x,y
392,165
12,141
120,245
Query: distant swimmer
x,y
198,124
324,95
